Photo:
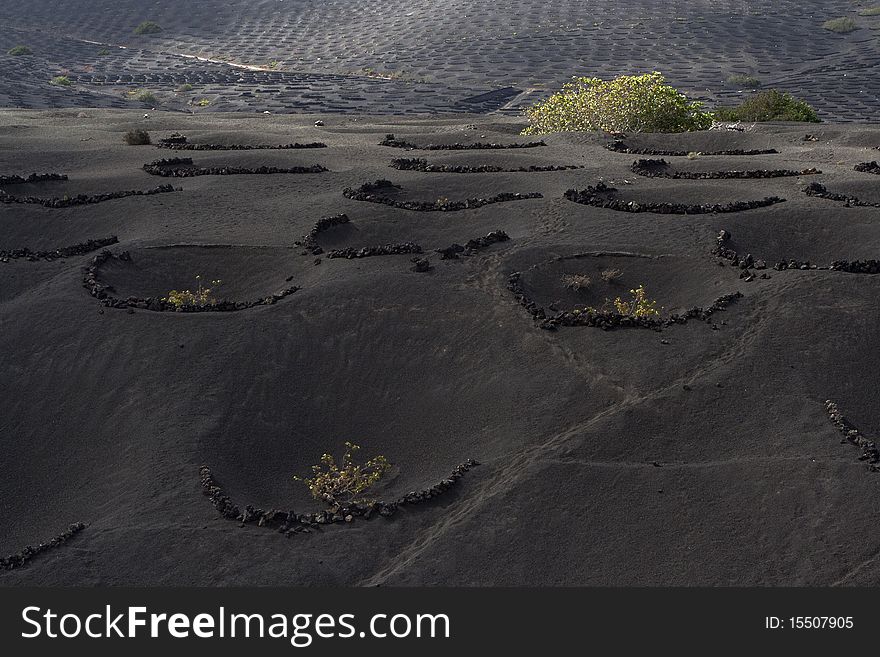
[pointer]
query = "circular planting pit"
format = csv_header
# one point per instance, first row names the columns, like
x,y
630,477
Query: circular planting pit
x,y
428,197
661,169
565,290
705,142
422,165
702,199
452,143
143,278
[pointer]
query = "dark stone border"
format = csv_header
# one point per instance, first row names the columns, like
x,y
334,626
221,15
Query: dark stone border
x,y
365,193
609,320
852,435
619,146
83,199
55,254
289,522
22,557
417,164
310,239
179,143
451,252
183,167
478,146
101,292
601,196
819,191
747,262
868,167
368,251
661,169
32,178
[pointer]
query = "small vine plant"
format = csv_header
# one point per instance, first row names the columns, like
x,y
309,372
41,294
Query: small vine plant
x,y
337,484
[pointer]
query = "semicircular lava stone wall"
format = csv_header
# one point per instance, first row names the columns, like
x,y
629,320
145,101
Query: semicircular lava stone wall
x,y
183,167
55,254
819,191
310,240
661,169
851,434
32,178
289,522
180,143
602,196
368,193
470,247
22,557
156,304
746,262
416,164
82,199
868,167
619,146
392,142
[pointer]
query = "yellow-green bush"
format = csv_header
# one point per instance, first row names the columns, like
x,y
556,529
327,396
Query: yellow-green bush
x,y
629,103
203,296
639,306
771,105
336,484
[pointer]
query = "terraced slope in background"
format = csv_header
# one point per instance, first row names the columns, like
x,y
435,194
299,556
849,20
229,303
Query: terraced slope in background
x,y
434,55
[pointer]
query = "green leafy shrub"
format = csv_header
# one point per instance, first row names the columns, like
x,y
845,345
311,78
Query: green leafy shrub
x,y
143,96
744,81
61,81
184,88
202,102
771,105
629,103
842,25
147,27
639,306
203,296
870,11
103,52
336,484
18,51
137,137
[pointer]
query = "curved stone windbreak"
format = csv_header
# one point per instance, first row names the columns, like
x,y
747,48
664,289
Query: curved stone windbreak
x,y
83,199
391,141
819,191
418,164
619,146
102,292
288,521
366,193
601,196
870,453
183,167
452,252
748,262
661,169
54,254
369,251
310,239
22,557
609,320
32,178
179,143
868,167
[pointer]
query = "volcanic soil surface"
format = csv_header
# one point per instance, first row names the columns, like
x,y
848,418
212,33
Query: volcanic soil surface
x,y
694,450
